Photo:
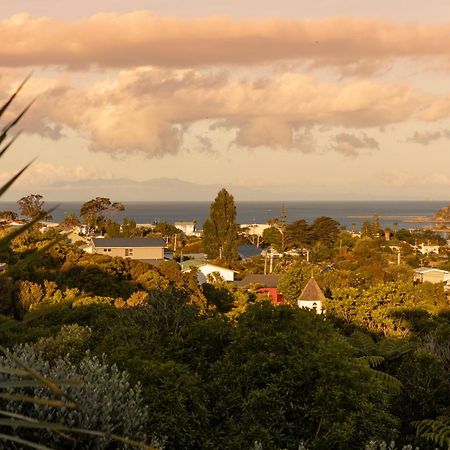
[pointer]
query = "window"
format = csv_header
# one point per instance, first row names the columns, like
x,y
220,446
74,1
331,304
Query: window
x,y
128,252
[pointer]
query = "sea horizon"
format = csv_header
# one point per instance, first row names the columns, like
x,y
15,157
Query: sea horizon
x,y
148,212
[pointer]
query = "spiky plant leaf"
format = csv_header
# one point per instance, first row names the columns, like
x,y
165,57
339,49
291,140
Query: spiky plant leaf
x,y
4,242
6,147
58,427
39,400
18,440
13,96
4,132
12,180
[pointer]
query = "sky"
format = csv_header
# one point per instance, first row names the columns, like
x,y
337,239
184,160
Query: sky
x,y
273,100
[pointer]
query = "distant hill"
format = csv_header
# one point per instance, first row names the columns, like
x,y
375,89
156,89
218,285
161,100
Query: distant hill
x,y
159,189
442,214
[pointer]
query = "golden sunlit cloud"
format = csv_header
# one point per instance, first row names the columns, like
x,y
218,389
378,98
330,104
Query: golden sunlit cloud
x,y
150,110
141,38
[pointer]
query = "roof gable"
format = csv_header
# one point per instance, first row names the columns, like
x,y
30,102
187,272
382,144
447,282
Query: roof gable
x,y
312,292
128,242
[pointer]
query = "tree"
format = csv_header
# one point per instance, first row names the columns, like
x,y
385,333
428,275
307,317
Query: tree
x,y
70,221
272,236
32,206
220,229
325,230
8,215
298,234
94,211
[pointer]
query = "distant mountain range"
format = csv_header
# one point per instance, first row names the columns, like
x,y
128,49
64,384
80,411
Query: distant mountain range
x,y
159,189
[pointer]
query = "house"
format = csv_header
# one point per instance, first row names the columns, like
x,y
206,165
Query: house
x,y
266,284
3,267
432,275
311,297
142,249
256,229
188,228
205,268
426,249
248,251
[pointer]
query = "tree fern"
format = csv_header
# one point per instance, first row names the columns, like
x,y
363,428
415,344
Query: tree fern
x,y
435,430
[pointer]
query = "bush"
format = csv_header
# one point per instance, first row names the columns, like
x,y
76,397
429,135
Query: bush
x,y
106,400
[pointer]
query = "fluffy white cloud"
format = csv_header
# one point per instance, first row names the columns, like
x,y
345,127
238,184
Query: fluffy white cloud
x,y
148,110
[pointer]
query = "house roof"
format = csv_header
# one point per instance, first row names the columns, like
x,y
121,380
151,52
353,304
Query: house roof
x,y
199,263
312,292
428,269
268,280
248,251
128,242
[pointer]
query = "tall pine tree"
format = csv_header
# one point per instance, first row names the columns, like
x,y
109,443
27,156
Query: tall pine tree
x,y
220,229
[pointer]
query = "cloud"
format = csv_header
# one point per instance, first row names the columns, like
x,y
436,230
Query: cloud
x,y
141,38
150,110
350,145
427,137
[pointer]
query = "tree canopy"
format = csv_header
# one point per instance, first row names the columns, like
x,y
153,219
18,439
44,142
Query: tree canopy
x,y
32,206
220,229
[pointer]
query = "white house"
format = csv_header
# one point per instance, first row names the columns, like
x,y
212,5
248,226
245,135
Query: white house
x,y
205,268
311,297
427,249
432,275
188,228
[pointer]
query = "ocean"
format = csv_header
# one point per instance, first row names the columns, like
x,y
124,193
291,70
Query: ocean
x,y
261,212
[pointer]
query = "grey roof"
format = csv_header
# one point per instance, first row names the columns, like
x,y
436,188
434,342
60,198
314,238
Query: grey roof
x,y
128,242
268,280
248,251
312,292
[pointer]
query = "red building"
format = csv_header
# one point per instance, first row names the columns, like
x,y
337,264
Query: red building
x,y
264,284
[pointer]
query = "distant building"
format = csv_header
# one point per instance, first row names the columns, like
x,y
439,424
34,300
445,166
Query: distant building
x,y
311,297
427,249
432,275
256,229
3,267
142,249
188,228
205,269
266,284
